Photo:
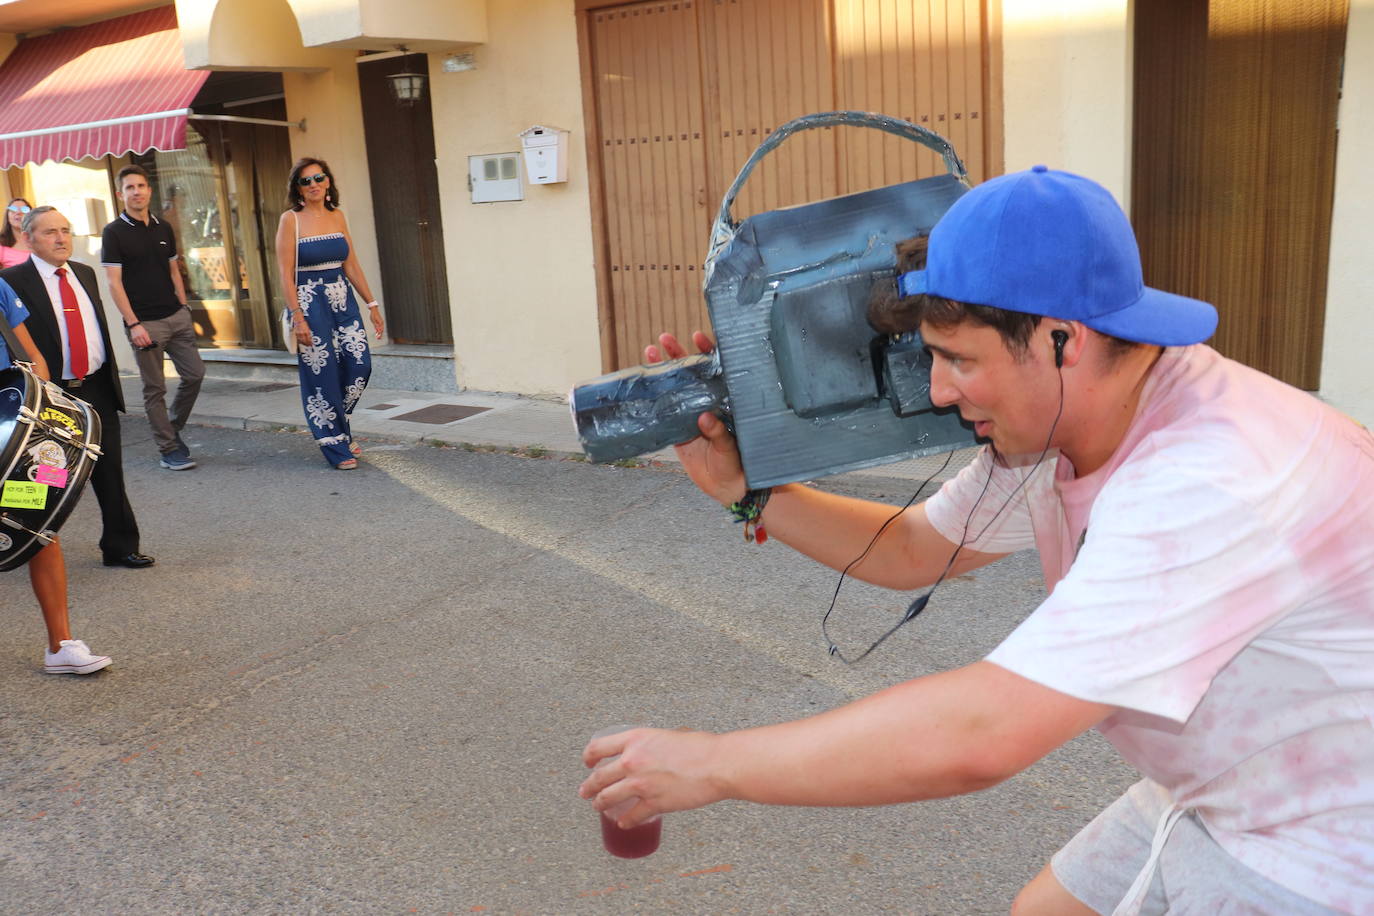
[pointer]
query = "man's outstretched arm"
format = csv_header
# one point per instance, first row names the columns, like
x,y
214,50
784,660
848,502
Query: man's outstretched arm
x,y
932,737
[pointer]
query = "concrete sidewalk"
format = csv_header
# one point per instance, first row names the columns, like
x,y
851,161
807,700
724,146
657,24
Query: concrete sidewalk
x,y
469,419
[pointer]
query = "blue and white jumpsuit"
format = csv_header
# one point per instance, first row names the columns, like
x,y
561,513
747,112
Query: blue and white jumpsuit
x,y
335,368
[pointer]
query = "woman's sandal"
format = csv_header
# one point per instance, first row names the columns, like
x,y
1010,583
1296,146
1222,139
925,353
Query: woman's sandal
x,y
356,449
347,465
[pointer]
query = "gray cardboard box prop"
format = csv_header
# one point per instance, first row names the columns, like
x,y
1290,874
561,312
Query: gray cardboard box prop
x,y
809,387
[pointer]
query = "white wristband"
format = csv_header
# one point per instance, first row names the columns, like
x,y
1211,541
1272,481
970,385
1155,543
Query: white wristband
x,y
373,304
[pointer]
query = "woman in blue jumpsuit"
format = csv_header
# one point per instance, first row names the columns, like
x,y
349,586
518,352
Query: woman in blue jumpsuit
x,y
314,247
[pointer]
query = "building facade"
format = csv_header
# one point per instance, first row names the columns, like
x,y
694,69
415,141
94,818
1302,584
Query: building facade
x,y
496,282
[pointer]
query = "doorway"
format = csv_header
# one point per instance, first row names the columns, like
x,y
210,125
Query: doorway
x,y
683,92
1234,167
405,204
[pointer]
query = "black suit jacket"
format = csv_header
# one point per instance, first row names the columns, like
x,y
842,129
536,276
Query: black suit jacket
x,y
42,323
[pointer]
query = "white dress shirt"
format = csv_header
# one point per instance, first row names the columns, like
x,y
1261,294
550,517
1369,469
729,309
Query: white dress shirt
x,y
95,346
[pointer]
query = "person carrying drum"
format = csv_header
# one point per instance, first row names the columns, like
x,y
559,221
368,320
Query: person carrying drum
x,y
1206,534
64,306
47,569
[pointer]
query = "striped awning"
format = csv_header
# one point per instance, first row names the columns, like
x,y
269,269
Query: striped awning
x,y
104,89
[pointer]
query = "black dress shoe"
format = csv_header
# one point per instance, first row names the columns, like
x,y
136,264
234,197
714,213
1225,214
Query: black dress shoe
x,y
132,561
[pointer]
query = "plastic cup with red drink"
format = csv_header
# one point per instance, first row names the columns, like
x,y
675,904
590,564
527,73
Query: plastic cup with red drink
x,y
635,842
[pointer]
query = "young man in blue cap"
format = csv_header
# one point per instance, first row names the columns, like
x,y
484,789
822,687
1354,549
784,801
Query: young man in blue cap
x,y
1207,538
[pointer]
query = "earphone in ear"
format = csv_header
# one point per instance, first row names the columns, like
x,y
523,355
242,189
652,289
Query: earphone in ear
x,y
1060,338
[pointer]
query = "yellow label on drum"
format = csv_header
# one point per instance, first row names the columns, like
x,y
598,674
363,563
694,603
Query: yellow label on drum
x,y
57,416
21,494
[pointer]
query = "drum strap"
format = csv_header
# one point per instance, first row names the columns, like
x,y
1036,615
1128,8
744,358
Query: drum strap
x,y
17,352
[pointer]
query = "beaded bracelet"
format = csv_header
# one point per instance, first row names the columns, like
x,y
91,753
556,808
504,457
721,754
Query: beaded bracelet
x,y
750,511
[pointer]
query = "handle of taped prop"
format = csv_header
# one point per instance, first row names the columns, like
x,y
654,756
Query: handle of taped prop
x,y
723,228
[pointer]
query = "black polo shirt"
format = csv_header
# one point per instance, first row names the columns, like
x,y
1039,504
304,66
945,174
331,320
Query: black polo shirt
x,y
143,250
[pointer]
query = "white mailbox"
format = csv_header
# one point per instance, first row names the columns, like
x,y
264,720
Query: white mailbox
x,y
546,154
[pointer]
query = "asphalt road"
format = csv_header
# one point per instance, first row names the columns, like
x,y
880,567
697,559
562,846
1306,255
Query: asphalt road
x,y
368,692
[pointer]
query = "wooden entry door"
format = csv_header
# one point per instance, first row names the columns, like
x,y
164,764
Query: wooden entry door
x,y
683,91
1234,167
405,205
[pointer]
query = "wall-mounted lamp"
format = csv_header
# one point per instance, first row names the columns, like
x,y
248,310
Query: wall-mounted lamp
x,y
407,87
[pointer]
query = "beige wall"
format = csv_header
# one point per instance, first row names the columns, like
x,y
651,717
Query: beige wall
x,y
1067,87
329,19
244,35
521,282
1347,380
423,25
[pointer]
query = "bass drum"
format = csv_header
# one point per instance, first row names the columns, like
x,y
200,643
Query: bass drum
x,y
49,442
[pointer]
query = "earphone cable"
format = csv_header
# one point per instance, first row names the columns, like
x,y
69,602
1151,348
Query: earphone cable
x,y
919,604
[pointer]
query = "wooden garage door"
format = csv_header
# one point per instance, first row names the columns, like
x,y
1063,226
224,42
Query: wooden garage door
x,y
1234,167
683,91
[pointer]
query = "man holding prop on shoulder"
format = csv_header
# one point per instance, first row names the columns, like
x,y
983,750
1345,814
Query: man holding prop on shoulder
x,y
1207,538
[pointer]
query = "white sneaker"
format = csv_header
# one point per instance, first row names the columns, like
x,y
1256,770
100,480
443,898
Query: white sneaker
x,y
73,657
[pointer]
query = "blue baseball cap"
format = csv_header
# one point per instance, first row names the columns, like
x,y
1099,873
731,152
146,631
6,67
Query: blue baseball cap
x,y
1055,244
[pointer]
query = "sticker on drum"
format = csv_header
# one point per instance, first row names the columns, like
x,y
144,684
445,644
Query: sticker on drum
x,y
21,494
6,542
53,414
46,473
48,446
46,452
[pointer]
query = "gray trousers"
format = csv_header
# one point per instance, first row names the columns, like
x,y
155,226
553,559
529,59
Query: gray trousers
x,y
175,336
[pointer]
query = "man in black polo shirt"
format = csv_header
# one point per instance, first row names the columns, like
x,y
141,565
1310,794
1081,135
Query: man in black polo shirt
x,y
139,254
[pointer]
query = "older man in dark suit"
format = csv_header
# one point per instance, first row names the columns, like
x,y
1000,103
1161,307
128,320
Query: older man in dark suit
x,y
67,323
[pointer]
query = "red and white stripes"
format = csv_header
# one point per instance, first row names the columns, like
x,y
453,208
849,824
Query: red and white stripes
x,y
103,89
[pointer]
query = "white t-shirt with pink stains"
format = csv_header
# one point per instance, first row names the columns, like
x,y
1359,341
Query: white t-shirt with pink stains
x,y
1215,581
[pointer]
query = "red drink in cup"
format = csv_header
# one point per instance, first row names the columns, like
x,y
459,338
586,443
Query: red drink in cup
x,y
636,842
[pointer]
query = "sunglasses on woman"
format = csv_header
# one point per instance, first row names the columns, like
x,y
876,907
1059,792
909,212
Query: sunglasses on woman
x,y
18,208
304,180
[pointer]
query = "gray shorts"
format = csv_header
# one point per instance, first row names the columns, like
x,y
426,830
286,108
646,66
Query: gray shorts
x,y
1195,876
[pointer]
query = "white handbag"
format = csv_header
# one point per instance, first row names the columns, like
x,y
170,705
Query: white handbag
x,y
288,333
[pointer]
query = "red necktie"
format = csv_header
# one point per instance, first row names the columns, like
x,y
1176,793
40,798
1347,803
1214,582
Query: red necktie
x,y
76,328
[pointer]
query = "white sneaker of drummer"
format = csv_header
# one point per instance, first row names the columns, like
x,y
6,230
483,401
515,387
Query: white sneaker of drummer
x,y
73,657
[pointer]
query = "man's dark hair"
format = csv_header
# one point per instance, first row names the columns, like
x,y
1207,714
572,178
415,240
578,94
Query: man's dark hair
x,y
889,312
131,170
293,189
907,313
